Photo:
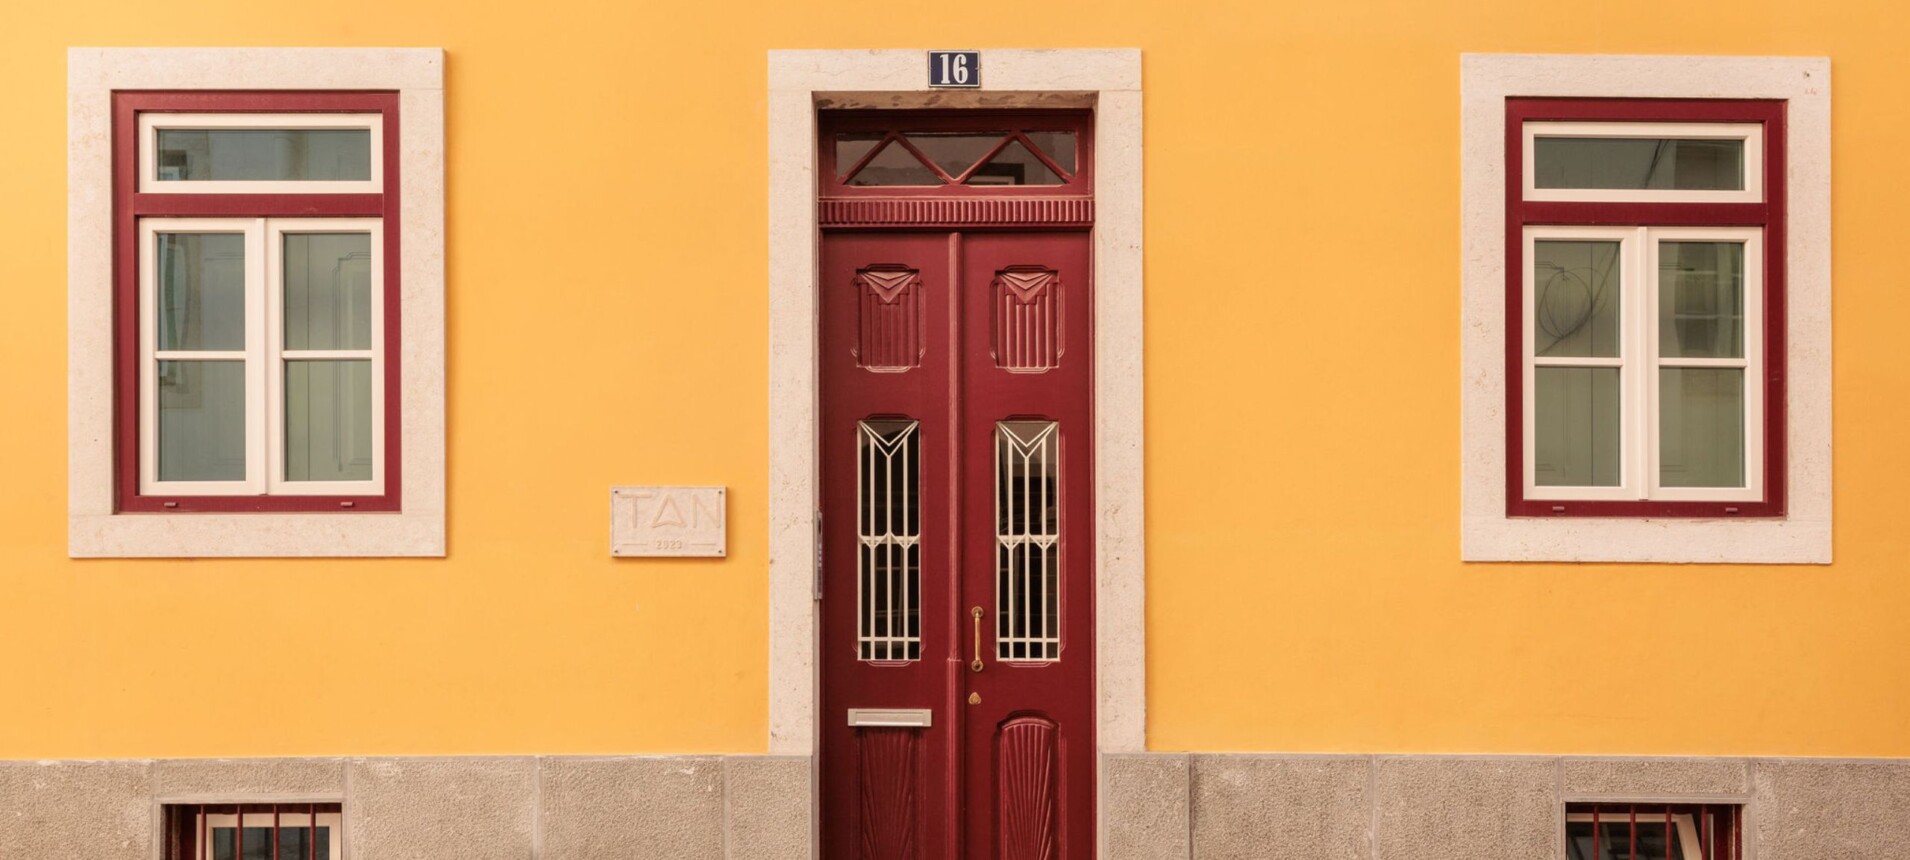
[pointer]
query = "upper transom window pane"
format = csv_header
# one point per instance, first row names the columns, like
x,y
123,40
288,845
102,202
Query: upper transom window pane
x,y
1671,162
260,153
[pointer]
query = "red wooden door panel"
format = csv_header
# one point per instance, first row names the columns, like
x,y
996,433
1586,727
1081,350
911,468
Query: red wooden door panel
x,y
957,533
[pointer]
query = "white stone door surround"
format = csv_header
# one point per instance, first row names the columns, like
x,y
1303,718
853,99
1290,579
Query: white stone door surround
x,y
1109,82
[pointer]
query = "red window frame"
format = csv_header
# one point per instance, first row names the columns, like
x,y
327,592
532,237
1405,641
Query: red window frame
x,y
1767,214
130,205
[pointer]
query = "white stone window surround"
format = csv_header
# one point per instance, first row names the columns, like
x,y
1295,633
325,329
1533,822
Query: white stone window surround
x,y
94,529
1487,534
1109,80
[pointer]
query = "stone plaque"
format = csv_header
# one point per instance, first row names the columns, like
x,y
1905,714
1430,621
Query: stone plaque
x,y
667,521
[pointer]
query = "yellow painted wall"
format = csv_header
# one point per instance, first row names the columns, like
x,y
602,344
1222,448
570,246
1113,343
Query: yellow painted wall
x,y
608,324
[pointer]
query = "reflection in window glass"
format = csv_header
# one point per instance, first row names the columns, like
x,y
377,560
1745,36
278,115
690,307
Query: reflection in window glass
x,y
328,420
201,291
294,843
1701,426
1014,165
201,420
895,165
327,290
955,151
1059,145
1701,299
1575,299
1577,427
246,154
851,147
1635,163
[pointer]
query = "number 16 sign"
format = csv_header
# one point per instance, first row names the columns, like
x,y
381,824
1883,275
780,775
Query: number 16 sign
x,y
954,68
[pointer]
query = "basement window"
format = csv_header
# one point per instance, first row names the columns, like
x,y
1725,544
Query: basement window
x,y
253,831
1654,831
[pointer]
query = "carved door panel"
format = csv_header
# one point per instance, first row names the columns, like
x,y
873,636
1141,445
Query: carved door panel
x,y
957,639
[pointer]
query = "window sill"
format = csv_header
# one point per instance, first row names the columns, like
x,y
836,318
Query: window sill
x,y
369,535
1665,541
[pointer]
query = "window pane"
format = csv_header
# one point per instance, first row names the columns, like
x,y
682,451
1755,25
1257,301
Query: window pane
x,y
1576,432
328,421
1028,540
852,146
955,152
1615,840
1575,299
1014,165
201,291
202,421
889,525
1638,163
1701,299
1059,145
1701,430
285,154
895,165
328,291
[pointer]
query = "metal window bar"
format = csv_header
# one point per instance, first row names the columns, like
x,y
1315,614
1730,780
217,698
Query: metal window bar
x,y
252,831
1653,831
889,531
1028,541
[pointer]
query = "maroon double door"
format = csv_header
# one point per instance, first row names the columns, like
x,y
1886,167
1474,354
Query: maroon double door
x,y
957,602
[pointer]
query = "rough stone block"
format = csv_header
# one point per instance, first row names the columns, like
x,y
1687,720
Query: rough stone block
x,y
432,808
96,810
1277,807
1646,777
1145,801
1832,810
768,807
226,778
596,808
1475,808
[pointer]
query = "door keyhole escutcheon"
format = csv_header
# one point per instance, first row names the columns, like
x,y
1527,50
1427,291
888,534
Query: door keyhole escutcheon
x,y
977,613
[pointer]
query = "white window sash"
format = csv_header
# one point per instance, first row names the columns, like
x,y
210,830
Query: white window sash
x,y
1751,133
1641,443
264,356
151,123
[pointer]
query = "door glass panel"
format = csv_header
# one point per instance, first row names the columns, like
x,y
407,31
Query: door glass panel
x,y
1059,145
328,420
1028,540
1014,165
1701,426
851,147
955,151
1701,299
201,421
895,165
327,290
252,154
201,291
1638,163
1577,427
889,529
1575,299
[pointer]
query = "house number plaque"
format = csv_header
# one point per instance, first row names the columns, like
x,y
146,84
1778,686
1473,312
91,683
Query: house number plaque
x,y
667,521
955,69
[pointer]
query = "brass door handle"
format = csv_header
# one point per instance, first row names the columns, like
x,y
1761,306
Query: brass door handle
x,y
977,665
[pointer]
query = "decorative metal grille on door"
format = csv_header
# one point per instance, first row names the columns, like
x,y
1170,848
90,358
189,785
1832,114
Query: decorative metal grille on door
x,y
889,523
1028,539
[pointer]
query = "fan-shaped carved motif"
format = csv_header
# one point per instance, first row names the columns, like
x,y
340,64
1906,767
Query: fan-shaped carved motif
x,y
1027,319
889,337
887,773
1026,773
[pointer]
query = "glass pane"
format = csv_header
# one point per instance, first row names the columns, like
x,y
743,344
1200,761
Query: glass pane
x,y
1701,426
1059,145
328,291
889,523
1638,163
1014,165
1575,299
1701,299
201,291
955,152
201,420
284,154
1028,540
328,421
1576,432
895,165
851,147
1615,840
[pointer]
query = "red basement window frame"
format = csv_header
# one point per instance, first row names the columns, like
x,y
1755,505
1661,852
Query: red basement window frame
x,y
1645,363
335,446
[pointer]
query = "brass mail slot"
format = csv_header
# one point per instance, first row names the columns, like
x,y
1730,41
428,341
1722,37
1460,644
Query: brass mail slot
x,y
915,718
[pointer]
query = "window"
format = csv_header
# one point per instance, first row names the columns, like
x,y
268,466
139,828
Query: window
x,y
256,325
1641,296
261,363
1645,317
881,152
1653,831
253,831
